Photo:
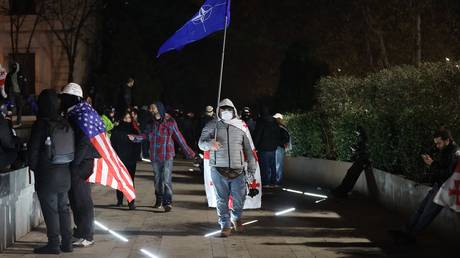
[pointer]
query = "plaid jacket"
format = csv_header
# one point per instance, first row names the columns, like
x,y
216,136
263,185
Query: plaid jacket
x,y
161,136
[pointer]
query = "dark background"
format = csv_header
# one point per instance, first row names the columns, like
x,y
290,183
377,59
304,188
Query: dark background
x,y
276,50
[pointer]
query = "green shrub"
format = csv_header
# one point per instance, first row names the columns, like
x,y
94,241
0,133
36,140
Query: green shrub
x,y
400,108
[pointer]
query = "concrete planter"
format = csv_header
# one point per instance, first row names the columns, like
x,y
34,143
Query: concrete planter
x,y
19,206
392,191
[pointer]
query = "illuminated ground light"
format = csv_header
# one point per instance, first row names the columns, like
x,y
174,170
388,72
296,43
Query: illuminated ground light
x,y
292,191
122,238
218,231
146,160
149,254
316,195
318,201
284,211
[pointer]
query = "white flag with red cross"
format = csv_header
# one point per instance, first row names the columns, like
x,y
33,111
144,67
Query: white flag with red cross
x,y
449,193
254,202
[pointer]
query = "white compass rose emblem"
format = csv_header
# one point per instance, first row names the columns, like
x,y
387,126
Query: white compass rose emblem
x,y
204,14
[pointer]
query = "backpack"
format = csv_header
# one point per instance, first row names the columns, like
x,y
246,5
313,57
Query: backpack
x,y
60,142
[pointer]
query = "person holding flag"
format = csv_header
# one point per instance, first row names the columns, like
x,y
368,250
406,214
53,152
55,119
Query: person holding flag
x,y
232,158
95,161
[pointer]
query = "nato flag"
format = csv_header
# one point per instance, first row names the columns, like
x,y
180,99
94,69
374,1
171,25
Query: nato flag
x,y
210,18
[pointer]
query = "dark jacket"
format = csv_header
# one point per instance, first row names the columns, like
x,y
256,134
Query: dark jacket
x,y
125,98
284,136
127,150
48,177
443,166
8,150
22,82
267,134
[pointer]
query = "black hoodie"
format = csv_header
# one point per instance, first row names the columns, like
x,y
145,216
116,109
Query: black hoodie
x,y
49,177
127,150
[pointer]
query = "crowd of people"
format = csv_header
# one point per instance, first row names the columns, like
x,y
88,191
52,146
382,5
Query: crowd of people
x,y
62,157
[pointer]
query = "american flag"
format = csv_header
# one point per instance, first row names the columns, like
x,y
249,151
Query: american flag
x,y
108,170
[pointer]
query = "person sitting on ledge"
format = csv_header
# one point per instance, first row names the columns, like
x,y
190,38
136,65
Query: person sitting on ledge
x,y
440,170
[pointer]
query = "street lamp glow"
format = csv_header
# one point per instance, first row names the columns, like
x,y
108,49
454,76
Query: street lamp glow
x,y
447,59
149,254
285,211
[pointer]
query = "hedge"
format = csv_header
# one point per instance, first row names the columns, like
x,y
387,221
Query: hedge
x,y
400,108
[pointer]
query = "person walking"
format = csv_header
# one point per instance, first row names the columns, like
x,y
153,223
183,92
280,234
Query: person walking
x,y
51,149
229,143
127,151
161,133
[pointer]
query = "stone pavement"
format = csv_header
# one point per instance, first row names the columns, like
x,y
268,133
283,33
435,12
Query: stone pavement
x,y
347,228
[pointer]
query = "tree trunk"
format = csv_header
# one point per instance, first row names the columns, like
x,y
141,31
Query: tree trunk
x,y
71,68
369,51
383,50
13,51
418,43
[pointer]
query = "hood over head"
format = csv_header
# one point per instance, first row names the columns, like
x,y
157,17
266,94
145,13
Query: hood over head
x,y
228,103
48,104
12,70
161,108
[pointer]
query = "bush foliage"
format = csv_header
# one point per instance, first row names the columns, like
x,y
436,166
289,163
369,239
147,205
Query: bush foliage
x,y
400,108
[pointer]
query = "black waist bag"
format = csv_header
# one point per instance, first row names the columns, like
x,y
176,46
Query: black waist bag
x,y
229,173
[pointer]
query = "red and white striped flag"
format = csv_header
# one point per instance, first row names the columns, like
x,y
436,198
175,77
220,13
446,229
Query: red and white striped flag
x,y
108,170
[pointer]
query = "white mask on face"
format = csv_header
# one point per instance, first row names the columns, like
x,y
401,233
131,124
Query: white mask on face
x,y
226,115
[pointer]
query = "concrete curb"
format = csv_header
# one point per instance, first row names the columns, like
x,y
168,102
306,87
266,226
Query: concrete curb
x,y
392,191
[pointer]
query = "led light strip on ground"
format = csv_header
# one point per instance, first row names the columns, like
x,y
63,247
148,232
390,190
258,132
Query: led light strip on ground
x,y
218,231
122,238
149,254
306,193
284,211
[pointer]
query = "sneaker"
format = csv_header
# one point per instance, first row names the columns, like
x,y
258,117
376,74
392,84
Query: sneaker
x,y
238,226
225,232
168,208
157,205
83,243
47,249
119,204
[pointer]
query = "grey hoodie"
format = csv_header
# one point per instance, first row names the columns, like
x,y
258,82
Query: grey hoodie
x,y
235,143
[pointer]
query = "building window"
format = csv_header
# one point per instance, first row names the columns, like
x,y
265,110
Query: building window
x,y
22,7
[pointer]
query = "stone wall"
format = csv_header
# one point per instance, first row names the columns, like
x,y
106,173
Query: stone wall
x,y
393,191
19,207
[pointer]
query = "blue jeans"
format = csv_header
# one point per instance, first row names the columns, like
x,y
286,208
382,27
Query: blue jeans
x,y
163,181
225,187
280,152
268,167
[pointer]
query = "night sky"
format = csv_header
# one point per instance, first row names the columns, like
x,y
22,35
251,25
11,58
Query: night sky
x,y
276,50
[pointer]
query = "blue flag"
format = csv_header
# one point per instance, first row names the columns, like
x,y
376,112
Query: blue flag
x,y
210,18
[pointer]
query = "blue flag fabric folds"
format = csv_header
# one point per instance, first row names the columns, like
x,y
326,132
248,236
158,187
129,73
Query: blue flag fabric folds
x,y
210,18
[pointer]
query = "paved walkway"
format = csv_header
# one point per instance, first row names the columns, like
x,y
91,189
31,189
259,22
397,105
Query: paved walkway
x,y
349,228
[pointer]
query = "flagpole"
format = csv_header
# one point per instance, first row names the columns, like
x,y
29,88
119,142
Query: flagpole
x,y
222,64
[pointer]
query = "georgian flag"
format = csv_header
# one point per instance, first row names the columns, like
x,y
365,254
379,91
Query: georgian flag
x,y
449,193
250,202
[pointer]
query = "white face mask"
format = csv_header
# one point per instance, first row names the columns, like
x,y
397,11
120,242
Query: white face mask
x,y
226,115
